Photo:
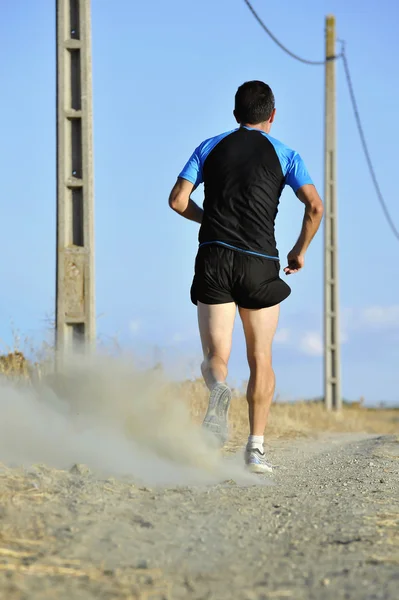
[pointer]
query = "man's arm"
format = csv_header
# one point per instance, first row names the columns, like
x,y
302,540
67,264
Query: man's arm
x,y
180,201
310,224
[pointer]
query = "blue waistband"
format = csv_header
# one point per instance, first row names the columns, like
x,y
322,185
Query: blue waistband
x,y
239,250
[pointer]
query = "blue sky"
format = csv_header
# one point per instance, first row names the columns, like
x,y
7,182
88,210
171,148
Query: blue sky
x,y
164,76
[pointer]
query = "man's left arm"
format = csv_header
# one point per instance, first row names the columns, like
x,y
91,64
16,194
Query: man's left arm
x,y
180,201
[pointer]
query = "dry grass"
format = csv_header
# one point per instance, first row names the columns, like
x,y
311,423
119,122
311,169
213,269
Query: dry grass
x,y
386,523
299,418
387,545
127,584
14,364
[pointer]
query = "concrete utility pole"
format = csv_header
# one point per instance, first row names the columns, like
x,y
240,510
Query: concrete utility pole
x,y
75,296
332,359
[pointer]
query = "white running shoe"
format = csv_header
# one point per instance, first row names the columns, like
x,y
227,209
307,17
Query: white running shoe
x,y
256,461
216,418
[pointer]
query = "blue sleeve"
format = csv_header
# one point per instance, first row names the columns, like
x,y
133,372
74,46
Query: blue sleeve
x,y
192,171
297,174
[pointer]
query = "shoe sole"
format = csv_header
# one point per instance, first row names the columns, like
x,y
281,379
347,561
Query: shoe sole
x,y
259,469
216,418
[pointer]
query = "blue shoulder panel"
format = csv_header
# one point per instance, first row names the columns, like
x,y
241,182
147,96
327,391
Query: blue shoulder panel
x,y
192,171
294,169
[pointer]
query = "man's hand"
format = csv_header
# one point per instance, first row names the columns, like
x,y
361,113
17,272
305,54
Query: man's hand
x,y
296,262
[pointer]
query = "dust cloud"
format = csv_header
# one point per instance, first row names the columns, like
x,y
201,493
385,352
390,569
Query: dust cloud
x,y
104,413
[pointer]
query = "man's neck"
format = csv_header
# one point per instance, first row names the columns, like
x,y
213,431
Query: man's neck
x,y
265,127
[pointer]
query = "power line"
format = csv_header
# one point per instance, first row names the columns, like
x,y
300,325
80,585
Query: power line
x,y
270,34
380,197
342,55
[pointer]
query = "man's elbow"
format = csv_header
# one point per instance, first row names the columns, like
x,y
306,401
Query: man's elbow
x,y
316,208
178,202
175,202
172,201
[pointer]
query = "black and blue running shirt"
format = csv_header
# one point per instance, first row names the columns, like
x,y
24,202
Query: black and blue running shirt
x,y
244,172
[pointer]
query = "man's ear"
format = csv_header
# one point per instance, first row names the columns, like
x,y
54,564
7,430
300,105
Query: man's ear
x,y
235,116
272,116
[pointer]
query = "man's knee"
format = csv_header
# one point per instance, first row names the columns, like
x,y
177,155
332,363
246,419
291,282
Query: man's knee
x,y
260,362
213,356
213,369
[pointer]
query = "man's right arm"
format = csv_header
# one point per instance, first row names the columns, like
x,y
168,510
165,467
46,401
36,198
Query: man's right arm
x,y
187,181
310,224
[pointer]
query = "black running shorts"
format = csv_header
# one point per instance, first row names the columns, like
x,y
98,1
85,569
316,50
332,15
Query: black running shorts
x,y
224,275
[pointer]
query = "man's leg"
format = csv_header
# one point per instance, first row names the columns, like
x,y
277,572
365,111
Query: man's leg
x,y
259,328
216,323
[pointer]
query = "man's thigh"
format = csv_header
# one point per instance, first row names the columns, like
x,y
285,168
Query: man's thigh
x,y
259,328
216,324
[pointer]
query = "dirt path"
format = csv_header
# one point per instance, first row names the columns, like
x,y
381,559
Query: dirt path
x,y
326,525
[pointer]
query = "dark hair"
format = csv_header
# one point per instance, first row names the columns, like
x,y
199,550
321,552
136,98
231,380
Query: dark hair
x,y
254,102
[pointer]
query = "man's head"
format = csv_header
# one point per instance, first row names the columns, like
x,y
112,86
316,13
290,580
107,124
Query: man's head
x,y
254,104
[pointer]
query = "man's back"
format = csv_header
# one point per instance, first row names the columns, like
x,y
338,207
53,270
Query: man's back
x,y
244,172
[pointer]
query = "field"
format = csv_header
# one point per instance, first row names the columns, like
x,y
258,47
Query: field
x,y
302,418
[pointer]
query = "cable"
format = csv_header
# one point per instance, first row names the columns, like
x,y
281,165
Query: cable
x,y
380,197
269,33
342,55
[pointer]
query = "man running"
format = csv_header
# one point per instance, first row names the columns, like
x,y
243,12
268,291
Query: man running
x,y
244,172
